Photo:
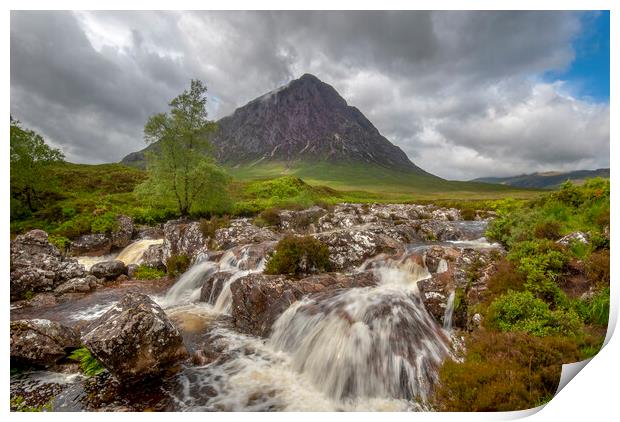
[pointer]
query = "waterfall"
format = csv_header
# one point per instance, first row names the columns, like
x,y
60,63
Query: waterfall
x,y
366,342
447,316
132,254
186,290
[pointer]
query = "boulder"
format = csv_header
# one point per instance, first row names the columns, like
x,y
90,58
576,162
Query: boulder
x,y
78,285
41,342
183,237
38,266
241,232
350,248
302,222
259,299
109,270
580,237
135,339
96,244
121,237
154,257
213,286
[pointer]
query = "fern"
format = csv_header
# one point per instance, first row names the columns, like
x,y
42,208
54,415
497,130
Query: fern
x,y
89,364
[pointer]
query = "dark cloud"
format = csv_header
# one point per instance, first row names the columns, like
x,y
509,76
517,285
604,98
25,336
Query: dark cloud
x,y
460,92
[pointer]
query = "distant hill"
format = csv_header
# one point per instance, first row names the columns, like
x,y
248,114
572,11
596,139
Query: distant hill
x,y
546,180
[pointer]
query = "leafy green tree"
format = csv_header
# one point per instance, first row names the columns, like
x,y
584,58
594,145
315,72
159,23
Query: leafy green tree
x,y
29,157
180,166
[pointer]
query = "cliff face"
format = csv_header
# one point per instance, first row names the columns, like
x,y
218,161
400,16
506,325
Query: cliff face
x,y
303,121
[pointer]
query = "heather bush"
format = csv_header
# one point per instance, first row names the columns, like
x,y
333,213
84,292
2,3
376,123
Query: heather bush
x,y
177,264
298,255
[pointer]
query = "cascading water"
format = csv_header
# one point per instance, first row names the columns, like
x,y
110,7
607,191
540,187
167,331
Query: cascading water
x,y
236,262
133,253
366,342
447,317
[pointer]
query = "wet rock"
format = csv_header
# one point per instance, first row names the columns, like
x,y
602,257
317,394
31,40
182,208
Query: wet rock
x,y
96,244
135,339
247,257
462,271
149,232
350,248
580,237
154,257
302,222
241,232
183,237
78,285
41,342
213,286
131,270
121,237
110,270
38,266
259,299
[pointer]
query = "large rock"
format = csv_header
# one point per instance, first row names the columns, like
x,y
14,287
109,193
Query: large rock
x,y
109,270
575,237
459,271
154,257
350,248
41,342
78,285
302,222
135,339
183,237
259,299
121,237
242,232
96,244
38,266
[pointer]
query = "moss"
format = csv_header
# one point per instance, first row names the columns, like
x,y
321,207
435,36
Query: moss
x,y
177,264
144,272
18,404
297,255
88,363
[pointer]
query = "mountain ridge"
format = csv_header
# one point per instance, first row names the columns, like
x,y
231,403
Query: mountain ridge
x,y
544,180
302,122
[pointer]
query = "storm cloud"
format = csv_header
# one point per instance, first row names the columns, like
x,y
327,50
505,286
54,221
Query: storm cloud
x,y
462,93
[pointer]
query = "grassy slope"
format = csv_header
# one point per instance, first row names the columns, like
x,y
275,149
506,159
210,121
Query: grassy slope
x,y
388,184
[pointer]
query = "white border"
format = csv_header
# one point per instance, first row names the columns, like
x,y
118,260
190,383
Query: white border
x,y
592,394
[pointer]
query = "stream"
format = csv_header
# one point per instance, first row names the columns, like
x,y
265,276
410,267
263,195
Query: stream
x,y
359,349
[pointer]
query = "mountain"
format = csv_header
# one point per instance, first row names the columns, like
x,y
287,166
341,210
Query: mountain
x,y
546,180
302,125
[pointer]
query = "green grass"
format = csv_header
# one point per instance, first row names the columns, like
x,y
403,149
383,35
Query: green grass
x,y
147,273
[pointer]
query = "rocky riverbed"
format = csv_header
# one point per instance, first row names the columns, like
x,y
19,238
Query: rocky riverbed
x,y
369,335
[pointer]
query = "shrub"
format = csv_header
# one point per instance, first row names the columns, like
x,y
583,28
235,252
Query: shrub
x,y
595,310
522,311
547,230
597,268
89,364
296,255
148,273
177,264
505,278
502,372
61,242
210,226
268,217
104,223
468,214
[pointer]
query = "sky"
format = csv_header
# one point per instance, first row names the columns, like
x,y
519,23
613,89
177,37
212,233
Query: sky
x,y
464,94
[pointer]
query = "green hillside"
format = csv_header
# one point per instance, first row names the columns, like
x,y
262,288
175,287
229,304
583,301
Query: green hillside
x,y
378,180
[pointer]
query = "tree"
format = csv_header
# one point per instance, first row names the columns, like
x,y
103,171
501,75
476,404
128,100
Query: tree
x,y
179,165
30,155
